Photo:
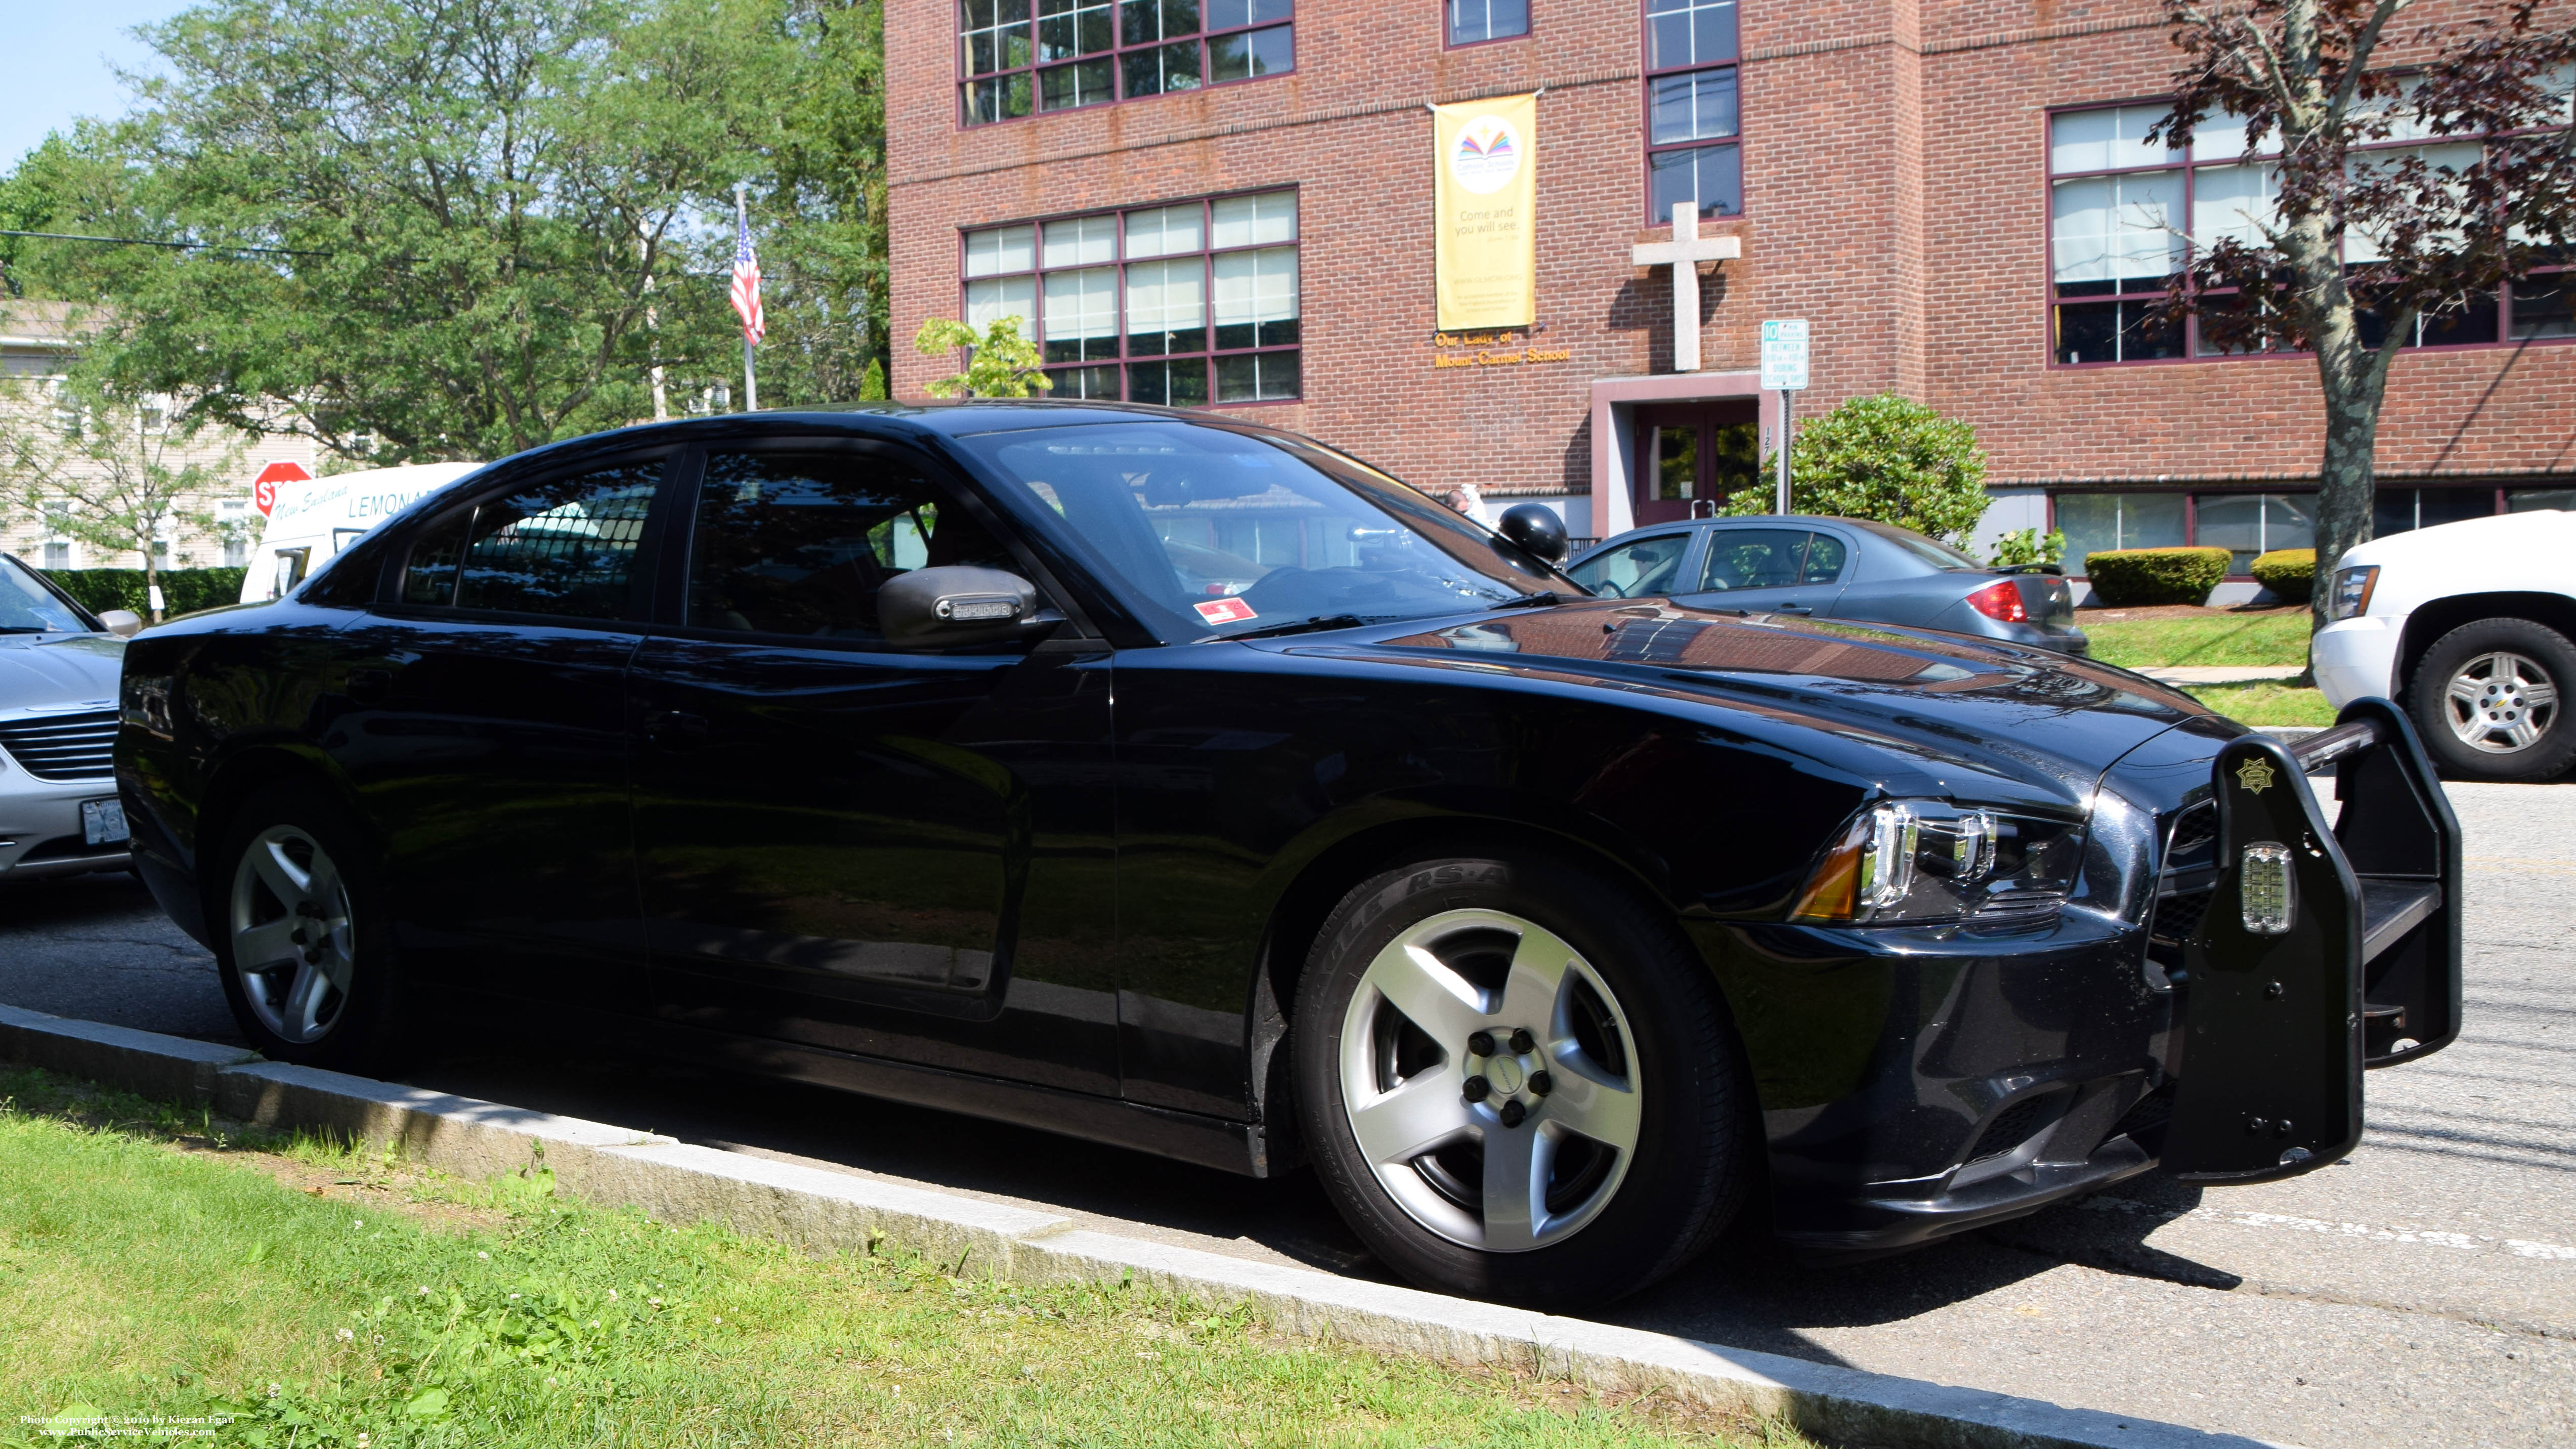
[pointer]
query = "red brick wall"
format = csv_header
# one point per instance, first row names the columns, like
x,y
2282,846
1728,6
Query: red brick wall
x,y
1896,195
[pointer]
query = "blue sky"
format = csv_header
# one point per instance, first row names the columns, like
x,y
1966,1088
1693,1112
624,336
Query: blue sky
x,y
60,67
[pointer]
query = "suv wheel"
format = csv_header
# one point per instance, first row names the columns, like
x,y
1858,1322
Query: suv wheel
x,y
300,937
1519,1082
2487,698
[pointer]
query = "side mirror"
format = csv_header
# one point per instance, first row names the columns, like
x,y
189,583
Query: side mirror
x,y
940,608
123,623
1536,530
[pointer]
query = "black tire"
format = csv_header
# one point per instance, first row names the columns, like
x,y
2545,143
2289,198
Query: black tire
x,y
1692,1161
357,1029
2468,654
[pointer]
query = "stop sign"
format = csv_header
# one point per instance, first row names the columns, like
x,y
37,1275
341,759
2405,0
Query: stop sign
x,y
263,489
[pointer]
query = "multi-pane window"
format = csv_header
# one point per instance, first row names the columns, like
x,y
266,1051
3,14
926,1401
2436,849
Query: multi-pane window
x,y
1183,305
1026,56
2125,214
2249,524
1473,21
1693,118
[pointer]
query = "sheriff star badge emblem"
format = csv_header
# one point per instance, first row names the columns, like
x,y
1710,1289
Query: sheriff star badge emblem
x,y
2255,775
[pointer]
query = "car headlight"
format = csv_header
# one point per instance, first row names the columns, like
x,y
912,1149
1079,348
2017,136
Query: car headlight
x,y
2352,590
1930,860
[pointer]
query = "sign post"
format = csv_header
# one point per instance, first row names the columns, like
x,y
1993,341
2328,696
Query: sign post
x,y
1784,371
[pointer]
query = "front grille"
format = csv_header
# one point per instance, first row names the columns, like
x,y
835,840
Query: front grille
x,y
2178,916
63,746
2193,830
2011,1128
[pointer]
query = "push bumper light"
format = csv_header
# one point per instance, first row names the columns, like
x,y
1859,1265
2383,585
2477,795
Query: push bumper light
x,y
2263,889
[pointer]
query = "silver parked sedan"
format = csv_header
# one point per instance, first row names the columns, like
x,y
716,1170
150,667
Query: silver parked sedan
x,y
1834,568
59,665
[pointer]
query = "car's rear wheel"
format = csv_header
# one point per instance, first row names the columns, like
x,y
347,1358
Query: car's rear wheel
x,y
301,943
1519,1083
2488,700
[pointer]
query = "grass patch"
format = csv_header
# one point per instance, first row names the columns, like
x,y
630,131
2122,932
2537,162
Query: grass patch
x,y
2265,704
2273,638
289,1292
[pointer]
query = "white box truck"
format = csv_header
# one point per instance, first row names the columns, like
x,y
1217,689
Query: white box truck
x,y
310,519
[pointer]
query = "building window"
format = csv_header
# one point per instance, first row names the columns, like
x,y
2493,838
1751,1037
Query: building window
x,y
1472,22
2247,524
1693,120
58,555
2124,214
1020,57
1184,305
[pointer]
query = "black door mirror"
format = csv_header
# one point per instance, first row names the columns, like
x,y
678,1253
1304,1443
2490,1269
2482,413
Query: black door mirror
x,y
1536,530
940,608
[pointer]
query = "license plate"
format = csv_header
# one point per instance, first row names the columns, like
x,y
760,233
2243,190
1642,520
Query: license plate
x,y
103,822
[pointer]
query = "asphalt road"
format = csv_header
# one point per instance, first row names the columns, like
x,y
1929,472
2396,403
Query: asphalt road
x,y
2421,1292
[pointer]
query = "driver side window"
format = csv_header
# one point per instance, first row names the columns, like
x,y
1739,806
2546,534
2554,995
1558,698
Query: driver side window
x,y
1633,570
799,543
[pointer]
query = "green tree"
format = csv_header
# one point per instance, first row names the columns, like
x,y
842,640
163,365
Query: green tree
x,y
1000,363
1886,458
819,207
116,470
2359,247
431,228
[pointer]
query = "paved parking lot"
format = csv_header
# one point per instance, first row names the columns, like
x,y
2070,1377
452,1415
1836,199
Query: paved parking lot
x,y
2423,1291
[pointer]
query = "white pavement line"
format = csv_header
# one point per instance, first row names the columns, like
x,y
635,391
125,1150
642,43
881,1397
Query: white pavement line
x,y
819,1208
2428,1237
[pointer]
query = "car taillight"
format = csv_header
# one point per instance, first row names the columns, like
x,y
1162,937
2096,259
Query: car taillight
x,y
2000,600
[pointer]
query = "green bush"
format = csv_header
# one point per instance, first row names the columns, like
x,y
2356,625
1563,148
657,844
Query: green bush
x,y
2030,546
183,591
2136,576
2288,572
1885,458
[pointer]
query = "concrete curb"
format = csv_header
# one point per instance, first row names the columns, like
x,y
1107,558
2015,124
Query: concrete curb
x,y
821,1209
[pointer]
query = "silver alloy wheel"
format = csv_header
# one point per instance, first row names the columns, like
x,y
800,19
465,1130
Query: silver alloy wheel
x,y
1540,1149
2501,702
293,942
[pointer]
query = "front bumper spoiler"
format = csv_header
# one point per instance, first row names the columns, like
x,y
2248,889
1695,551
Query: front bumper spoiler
x,y
2325,950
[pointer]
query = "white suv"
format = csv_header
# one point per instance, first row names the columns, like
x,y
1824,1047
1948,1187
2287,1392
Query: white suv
x,y
2468,625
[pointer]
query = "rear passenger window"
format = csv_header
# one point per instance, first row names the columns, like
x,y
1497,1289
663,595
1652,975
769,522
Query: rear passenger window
x,y
564,546
799,543
1824,559
1754,558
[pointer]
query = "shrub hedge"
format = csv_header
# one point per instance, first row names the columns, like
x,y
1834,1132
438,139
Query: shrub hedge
x,y
2288,572
2138,576
183,591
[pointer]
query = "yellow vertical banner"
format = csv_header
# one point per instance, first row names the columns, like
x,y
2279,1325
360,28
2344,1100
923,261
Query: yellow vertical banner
x,y
1485,256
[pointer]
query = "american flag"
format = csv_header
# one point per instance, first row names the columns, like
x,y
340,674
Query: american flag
x,y
746,283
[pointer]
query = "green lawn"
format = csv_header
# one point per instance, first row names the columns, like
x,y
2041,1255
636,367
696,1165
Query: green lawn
x,y
2265,704
287,1293
2271,638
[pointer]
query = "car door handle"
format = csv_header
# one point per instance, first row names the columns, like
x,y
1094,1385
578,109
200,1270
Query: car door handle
x,y
675,729
1792,609
369,686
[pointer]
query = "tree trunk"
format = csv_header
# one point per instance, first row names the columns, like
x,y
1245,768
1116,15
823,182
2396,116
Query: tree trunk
x,y
2354,379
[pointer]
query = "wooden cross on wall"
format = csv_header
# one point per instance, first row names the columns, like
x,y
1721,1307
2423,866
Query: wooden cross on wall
x,y
1683,254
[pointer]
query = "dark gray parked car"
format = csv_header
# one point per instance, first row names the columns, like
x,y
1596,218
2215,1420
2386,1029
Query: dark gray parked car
x,y
1833,568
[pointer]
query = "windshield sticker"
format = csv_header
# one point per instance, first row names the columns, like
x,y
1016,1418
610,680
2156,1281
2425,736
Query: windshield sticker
x,y
1225,611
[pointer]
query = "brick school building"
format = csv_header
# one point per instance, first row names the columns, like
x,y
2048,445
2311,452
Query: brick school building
x,y
1230,204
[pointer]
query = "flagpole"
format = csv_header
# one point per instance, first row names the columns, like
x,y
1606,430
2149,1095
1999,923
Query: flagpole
x,y
750,384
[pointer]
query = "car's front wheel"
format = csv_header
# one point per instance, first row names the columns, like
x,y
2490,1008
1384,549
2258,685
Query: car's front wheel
x,y
303,950
1518,1082
2488,700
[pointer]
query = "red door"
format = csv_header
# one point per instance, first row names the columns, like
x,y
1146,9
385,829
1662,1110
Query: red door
x,y
1690,456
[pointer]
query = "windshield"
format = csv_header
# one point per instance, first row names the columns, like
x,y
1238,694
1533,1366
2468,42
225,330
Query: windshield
x,y
28,607
1204,531
1925,550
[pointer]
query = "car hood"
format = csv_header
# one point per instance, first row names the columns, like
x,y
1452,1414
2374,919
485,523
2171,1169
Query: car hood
x,y
1928,704
42,673
2513,539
